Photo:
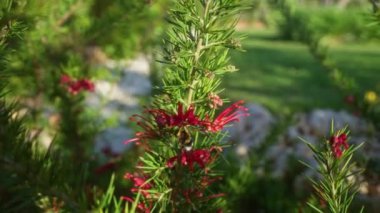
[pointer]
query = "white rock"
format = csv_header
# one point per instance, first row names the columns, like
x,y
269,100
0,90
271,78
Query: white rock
x,y
136,84
119,100
320,121
250,132
140,65
114,139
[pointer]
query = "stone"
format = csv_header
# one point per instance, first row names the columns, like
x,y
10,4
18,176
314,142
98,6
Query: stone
x,y
113,138
251,131
136,84
118,100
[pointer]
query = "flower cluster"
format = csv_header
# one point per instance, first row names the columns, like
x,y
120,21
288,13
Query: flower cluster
x,y
141,184
181,134
75,86
202,157
336,185
338,144
159,124
179,119
197,193
163,119
231,114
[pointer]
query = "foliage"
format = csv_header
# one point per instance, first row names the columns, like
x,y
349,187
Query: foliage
x,y
68,38
39,42
320,50
181,133
348,24
338,184
247,188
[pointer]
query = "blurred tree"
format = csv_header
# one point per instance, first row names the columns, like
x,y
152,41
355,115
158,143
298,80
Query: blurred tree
x,y
375,5
39,42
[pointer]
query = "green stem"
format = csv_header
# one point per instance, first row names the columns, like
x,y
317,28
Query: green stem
x,y
197,55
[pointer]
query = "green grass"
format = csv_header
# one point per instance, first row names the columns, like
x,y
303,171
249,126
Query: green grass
x,y
283,75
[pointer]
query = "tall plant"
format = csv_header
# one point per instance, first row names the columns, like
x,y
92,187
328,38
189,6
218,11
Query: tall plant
x,y
338,184
181,131
52,63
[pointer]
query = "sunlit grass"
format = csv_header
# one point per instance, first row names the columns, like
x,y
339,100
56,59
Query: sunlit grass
x,y
283,75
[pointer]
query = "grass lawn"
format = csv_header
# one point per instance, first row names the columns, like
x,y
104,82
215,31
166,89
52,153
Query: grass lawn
x,y
283,75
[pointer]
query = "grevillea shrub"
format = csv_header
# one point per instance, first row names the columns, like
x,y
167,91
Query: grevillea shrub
x,y
56,52
338,183
181,131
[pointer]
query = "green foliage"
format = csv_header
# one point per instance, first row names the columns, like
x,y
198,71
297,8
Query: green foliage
x,y
39,41
314,39
309,33
247,189
338,184
346,24
196,48
70,37
108,203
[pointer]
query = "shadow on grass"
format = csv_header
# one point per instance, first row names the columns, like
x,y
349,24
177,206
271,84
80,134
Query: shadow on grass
x,y
285,79
284,76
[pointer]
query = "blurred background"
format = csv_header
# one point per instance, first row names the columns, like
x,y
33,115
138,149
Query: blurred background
x,y
305,63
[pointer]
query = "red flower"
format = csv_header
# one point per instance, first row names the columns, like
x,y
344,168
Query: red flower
x,y
106,167
149,130
191,194
349,99
338,144
86,85
229,115
206,180
202,157
75,86
107,151
162,119
179,119
140,206
183,118
139,183
65,79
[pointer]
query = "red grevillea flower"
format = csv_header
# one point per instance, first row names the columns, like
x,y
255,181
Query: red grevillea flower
x,y
86,84
231,114
110,166
188,158
179,119
206,180
339,144
150,130
139,183
65,79
215,100
140,206
162,119
350,99
184,118
191,194
75,86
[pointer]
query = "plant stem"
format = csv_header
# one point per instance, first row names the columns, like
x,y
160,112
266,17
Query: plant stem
x,y
197,54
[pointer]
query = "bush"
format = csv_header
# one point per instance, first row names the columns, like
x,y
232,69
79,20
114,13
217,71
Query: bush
x,y
349,24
